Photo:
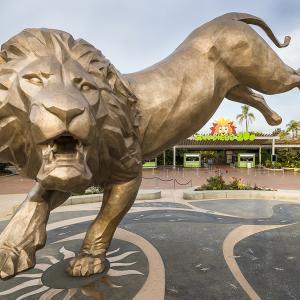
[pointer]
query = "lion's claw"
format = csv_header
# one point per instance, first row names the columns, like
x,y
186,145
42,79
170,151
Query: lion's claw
x,y
8,263
12,262
85,265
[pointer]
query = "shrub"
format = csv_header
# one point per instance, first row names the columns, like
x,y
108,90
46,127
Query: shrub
x,y
214,183
274,165
94,190
277,165
217,182
238,184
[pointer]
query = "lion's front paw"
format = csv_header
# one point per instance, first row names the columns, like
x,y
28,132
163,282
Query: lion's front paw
x,y
13,262
8,263
86,265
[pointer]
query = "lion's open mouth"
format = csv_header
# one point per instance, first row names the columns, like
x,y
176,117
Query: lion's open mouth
x,y
65,150
64,164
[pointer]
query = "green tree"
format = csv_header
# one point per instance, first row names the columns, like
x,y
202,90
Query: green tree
x,y
245,116
283,135
277,131
293,126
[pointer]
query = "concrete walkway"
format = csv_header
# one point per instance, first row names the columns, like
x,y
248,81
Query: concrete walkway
x,y
171,248
8,203
275,180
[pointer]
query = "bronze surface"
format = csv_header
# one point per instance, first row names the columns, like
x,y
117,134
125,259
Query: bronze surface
x,y
70,120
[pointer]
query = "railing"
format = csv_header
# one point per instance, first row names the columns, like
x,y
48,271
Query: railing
x,y
169,180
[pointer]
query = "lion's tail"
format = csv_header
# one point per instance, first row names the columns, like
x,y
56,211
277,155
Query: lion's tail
x,y
250,19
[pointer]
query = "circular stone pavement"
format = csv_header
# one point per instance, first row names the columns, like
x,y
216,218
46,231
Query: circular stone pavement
x,y
225,249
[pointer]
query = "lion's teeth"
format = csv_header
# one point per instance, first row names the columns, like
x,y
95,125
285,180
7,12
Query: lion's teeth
x,y
77,155
79,147
51,156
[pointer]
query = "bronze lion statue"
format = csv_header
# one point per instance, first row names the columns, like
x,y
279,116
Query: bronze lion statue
x,y
70,120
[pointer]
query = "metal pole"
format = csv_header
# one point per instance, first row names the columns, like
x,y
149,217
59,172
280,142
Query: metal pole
x,y
273,146
164,157
174,157
259,155
273,151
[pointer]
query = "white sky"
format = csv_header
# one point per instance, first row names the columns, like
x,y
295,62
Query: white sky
x,y
134,34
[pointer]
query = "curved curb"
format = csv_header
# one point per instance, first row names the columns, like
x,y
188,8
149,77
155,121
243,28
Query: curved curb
x,y
240,194
82,199
274,170
93,198
284,169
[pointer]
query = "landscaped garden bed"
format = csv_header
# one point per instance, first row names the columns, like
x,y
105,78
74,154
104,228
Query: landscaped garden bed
x,y
217,182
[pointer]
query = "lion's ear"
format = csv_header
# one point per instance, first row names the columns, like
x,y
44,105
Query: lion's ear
x,y
117,82
111,79
2,58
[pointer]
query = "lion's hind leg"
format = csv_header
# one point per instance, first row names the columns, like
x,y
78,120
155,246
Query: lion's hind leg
x,y
245,95
117,201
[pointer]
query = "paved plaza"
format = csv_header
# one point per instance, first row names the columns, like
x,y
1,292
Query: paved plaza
x,y
162,178
174,249
171,248
186,177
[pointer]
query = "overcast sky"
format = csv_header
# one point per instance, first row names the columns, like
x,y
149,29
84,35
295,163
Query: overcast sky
x,y
134,34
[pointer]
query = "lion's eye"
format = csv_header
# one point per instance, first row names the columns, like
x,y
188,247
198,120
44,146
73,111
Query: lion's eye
x,y
87,87
34,79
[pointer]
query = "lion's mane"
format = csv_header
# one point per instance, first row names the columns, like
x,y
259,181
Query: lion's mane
x,y
117,115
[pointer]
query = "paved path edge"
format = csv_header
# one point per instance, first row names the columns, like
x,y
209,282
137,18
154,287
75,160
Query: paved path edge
x,y
190,194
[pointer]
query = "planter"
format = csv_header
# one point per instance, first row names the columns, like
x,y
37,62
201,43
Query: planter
x,y
292,169
94,198
190,194
276,170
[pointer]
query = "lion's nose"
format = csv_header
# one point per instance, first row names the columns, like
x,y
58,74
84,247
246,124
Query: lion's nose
x,y
65,114
53,114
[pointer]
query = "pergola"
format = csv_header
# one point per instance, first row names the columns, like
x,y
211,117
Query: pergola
x,y
260,142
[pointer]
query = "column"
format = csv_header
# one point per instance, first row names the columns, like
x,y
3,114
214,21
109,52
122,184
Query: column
x,y
273,146
174,157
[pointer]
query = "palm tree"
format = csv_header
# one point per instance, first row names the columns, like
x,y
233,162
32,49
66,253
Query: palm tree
x,y
293,127
283,134
246,116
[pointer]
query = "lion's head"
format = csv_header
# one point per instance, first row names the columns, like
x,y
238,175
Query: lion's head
x,y
223,126
67,117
